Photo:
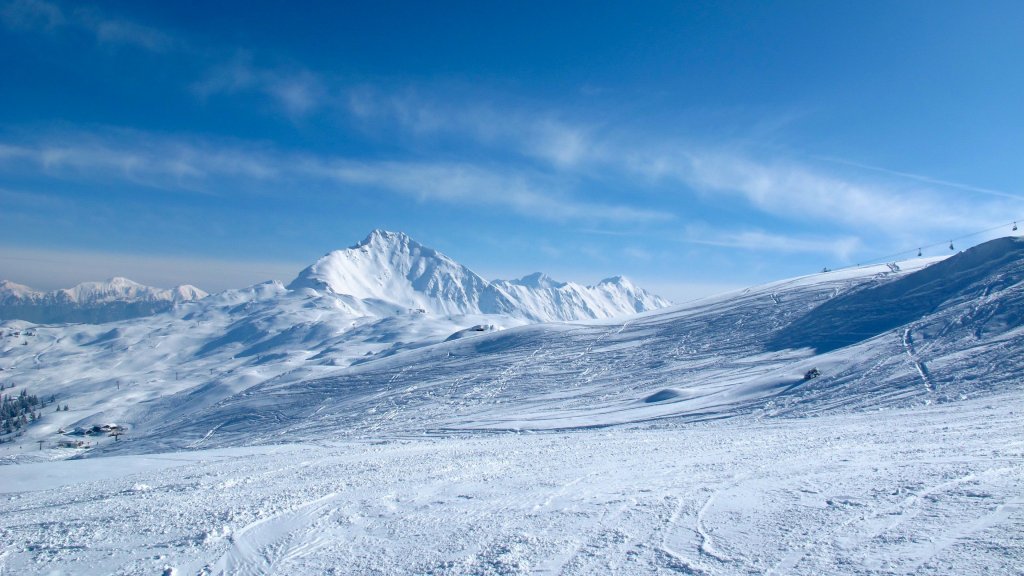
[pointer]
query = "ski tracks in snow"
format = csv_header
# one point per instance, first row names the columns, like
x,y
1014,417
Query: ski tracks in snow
x,y
262,546
919,365
860,530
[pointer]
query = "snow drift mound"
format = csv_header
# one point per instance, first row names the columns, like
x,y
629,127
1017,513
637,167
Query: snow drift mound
x,y
848,319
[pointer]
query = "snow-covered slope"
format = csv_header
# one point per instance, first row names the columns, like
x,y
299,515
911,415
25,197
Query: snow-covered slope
x,y
390,271
685,440
711,359
251,365
924,491
972,277
386,296
92,302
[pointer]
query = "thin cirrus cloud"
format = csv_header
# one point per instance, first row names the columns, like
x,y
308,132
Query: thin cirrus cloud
x,y
841,248
786,190
797,192
925,179
555,150
539,135
781,189
133,158
32,15
297,91
777,187
39,15
170,164
461,183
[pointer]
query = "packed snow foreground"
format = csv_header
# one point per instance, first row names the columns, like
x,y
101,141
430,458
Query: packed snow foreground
x,y
389,412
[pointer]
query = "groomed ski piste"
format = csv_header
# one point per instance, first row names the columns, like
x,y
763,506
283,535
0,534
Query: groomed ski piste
x,y
866,421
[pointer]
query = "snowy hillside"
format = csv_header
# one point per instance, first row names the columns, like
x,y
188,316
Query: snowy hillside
x,y
91,302
711,359
385,296
863,420
390,271
250,365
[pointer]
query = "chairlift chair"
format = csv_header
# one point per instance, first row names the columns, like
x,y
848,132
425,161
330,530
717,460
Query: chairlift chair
x,y
951,245
918,252
1015,226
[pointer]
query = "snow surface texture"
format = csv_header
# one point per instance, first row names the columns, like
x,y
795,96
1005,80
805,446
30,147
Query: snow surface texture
x,y
913,491
273,431
92,302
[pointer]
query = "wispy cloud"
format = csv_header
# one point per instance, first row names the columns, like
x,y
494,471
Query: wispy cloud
x,y
39,15
796,192
173,164
129,156
115,31
776,185
527,195
924,179
296,90
32,15
841,248
540,135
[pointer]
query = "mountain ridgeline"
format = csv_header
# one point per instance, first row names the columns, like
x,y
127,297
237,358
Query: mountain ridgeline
x,y
387,274
91,302
391,270
971,276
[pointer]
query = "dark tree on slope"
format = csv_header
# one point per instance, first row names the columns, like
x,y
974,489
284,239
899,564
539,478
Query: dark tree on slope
x,y
16,410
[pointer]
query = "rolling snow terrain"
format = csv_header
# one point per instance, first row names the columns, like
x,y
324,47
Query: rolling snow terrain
x,y
391,412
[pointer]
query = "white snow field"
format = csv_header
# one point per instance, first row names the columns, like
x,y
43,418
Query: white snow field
x,y
307,431
924,491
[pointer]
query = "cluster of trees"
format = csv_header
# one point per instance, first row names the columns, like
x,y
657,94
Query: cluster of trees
x,y
17,411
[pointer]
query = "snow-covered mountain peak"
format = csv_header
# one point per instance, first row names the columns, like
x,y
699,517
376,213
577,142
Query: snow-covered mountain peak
x,y
537,280
10,289
187,293
393,270
392,267
386,239
119,288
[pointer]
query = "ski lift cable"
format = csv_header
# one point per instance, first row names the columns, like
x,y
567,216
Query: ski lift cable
x,y
921,248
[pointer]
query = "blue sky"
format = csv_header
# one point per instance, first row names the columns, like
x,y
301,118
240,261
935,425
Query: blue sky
x,y
693,147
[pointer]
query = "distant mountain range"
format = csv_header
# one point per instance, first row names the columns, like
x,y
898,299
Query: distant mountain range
x,y
91,302
386,274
